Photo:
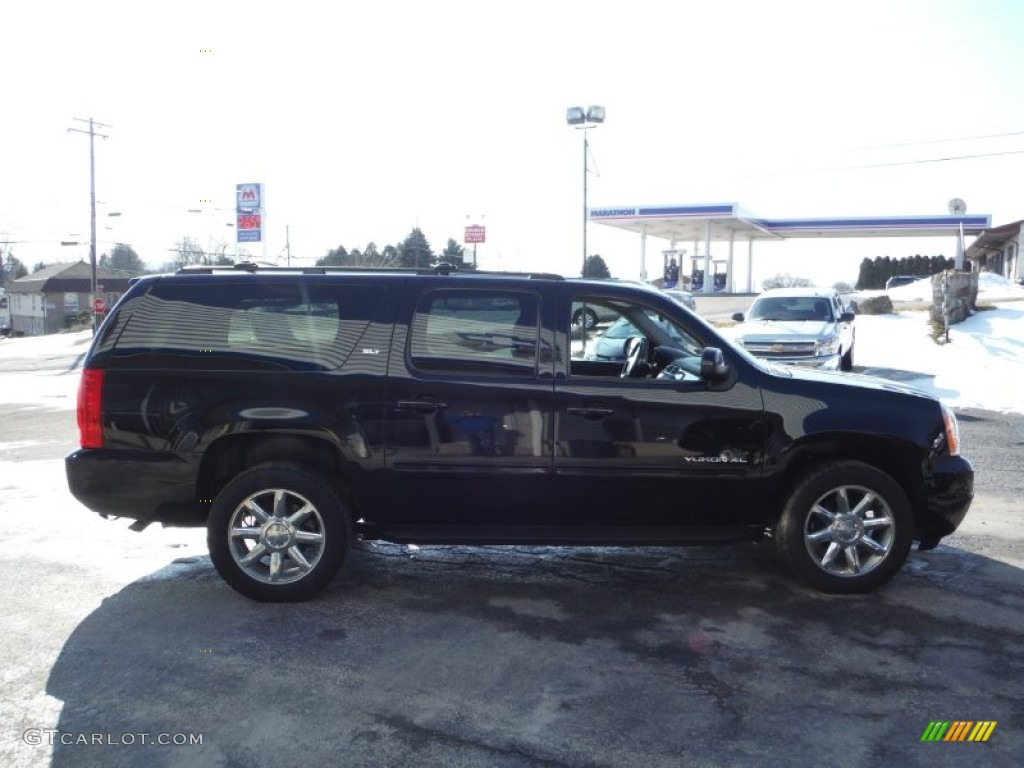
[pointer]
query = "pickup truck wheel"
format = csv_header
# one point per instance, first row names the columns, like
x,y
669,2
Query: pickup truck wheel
x,y
278,532
846,528
846,361
589,318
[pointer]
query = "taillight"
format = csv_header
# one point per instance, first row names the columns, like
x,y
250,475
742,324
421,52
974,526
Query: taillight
x,y
90,413
952,430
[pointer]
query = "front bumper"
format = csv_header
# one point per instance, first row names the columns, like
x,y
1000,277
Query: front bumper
x,y
825,362
949,490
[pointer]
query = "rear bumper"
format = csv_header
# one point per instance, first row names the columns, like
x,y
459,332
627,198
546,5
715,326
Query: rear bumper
x,y
137,485
949,491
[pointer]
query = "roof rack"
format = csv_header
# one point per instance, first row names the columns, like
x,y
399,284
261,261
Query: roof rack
x,y
444,268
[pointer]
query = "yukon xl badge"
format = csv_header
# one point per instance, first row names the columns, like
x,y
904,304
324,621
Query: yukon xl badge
x,y
714,460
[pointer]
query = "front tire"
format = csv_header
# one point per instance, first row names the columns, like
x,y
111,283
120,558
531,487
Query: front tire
x,y
846,528
846,361
278,532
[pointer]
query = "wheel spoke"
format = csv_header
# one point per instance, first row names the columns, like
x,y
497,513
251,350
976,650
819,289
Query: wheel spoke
x,y
275,566
852,558
843,505
830,554
309,537
818,536
297,518
254,554
819,510
864,504
877,522
280,504
299,559
257,510
875,546
245,533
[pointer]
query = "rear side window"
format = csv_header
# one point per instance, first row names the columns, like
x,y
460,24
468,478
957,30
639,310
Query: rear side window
x,y
470,331
241,324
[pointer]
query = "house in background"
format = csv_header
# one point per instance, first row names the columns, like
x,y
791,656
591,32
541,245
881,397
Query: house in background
x,y
998,250
54,298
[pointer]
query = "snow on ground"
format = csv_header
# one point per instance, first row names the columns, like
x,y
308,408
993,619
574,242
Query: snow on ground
x,y
982,366
34,371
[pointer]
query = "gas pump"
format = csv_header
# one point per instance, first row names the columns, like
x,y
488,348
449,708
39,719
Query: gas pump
x,y
670,271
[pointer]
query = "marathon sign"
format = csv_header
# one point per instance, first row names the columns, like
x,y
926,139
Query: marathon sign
x,y
611,213
475,234
249,206
249,197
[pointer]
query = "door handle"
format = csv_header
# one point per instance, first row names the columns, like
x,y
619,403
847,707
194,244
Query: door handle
x,y
421,406
590,411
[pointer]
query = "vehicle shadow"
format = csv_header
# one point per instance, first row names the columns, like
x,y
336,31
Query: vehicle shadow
x,y
548,656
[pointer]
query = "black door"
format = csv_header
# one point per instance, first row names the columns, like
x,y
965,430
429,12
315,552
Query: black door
x,y
659,447
469,395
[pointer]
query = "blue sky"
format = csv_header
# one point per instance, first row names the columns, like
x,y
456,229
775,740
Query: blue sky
x,y
365,120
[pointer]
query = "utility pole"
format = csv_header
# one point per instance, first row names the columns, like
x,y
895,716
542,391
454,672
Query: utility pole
x,y
92,207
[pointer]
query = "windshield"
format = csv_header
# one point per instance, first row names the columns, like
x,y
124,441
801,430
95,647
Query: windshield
x,y
791,308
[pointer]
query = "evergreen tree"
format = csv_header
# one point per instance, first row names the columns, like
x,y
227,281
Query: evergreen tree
x,y
415,251
11,267
595,267
455,254
336,257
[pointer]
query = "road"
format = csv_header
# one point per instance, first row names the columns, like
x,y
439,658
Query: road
x,y
490,656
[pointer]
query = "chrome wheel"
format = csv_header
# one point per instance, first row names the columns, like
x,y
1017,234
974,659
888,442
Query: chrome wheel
x,y
278,532
846,527
276,536
849,531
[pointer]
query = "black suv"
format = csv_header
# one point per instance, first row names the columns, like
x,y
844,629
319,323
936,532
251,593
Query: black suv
x,y
290,410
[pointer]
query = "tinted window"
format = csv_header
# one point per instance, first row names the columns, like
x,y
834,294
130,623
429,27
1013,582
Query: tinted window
x,y
493,332
294,324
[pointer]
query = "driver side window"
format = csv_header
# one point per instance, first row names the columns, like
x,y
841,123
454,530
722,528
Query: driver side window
x,y
604,331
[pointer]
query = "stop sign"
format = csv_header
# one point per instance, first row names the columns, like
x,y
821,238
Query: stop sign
x,y
98,306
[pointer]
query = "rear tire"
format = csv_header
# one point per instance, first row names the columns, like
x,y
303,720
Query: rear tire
x,y
846,528
278,532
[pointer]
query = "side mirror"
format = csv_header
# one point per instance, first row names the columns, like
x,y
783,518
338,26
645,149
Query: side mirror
x,y
737,316
847,317
712,365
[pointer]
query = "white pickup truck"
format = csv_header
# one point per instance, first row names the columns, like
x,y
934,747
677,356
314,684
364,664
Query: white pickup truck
x,y
799,326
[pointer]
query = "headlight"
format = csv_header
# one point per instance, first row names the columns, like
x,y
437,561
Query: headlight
x,y
952,430
827,346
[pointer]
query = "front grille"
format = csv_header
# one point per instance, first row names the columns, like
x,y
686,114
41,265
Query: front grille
x,y
786,350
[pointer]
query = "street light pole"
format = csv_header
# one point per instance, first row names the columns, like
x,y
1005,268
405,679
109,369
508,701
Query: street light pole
x,y
586,154
92,209
584,120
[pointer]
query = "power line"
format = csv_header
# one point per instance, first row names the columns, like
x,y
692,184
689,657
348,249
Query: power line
x,y
928,160
939,141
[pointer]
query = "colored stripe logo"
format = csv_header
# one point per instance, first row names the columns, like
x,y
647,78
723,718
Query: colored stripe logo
x,y
958,730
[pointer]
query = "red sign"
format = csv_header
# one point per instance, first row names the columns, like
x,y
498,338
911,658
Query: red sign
x,y
99,306
475,234
248,221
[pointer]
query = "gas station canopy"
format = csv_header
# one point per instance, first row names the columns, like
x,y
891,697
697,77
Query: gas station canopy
x,y
691,222
724,222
